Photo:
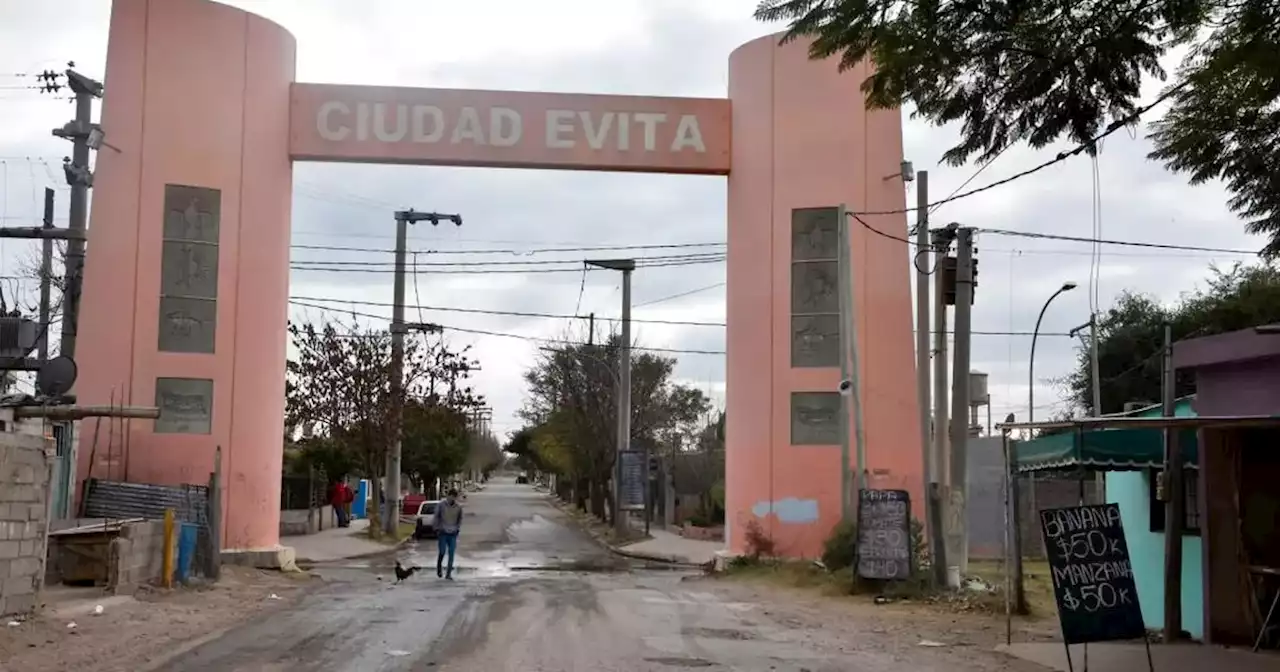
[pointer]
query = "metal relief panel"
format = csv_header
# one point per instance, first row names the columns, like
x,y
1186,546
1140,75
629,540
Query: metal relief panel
x,y
815,234
189,269
187,325
815,341
186,405
815,418
814,286
192,213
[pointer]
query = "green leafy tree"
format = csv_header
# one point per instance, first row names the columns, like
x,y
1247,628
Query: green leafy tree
x,y
1131,333
1040,71
338,383
572,404
435,443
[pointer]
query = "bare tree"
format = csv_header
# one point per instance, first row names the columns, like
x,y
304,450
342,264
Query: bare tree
x,y
340,383
572,399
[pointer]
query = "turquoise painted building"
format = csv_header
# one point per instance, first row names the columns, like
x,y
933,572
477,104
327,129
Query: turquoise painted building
x,y
1130,458
1134,491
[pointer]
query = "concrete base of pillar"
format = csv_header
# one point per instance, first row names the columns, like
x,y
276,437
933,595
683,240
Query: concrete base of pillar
x,y
281,557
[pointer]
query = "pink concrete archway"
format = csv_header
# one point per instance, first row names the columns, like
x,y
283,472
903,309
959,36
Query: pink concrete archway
x,y
186,285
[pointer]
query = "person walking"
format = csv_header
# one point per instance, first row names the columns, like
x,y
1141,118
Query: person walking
x,y
447,523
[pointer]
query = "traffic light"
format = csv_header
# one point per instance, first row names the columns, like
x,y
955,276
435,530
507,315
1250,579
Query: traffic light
x,y
654,467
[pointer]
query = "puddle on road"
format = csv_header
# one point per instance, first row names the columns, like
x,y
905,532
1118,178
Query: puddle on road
x,y
494,564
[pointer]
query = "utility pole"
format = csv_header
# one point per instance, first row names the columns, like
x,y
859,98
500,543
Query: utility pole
x,y
591,329
398,329
84,135
624,388
1100,477
960,395
941,242
921,262
850,378
931,467
46,277
1174,501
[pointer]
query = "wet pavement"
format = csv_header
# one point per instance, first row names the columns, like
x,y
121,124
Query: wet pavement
x,y
532,593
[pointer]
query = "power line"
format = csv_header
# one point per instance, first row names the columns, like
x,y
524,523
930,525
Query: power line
x,y
562,316
485,332
702,256
1062,156
1105,241
1070,239
508,313
456,271
681,295
513,251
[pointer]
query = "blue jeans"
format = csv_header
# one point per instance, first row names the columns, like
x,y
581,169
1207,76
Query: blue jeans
x,y
447,543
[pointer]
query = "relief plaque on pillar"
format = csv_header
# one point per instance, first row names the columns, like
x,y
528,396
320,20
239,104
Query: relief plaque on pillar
x,y
815,308
189,269
186,406
815,418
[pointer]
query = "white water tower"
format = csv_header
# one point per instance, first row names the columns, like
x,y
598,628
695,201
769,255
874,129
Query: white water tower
x,y
978,397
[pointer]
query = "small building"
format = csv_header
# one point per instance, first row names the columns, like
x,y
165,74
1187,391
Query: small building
x,y
1132,460
1237,374
1143,516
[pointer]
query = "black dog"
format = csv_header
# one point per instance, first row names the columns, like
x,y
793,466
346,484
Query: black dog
x,y
402,573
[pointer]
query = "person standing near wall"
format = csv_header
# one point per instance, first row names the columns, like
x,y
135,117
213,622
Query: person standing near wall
x,y
341,500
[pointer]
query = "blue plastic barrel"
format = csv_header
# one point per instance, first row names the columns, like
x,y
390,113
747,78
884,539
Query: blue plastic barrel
x,y
187,535
359,507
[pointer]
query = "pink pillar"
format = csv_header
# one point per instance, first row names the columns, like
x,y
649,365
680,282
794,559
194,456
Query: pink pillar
x,y
192,202
803,138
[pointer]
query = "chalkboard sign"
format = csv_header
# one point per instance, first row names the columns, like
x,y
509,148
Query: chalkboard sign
x,y
884,534
1092,578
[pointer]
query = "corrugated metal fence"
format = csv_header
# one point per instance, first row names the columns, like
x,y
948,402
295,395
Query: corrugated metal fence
x,y
118,500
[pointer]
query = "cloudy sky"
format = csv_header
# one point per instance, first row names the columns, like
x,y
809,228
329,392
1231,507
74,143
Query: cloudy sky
x,y
654,47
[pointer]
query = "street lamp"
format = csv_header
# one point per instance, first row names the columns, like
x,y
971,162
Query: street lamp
x,y
1031,364
626,266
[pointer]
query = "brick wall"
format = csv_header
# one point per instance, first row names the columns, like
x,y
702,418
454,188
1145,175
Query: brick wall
x,y
136,556
24,492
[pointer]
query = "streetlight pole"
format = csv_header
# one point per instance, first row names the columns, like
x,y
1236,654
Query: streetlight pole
x,y
398,329
1031,363
1031,378
624,386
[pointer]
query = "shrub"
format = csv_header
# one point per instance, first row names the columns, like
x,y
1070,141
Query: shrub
x,y
838,549
759,543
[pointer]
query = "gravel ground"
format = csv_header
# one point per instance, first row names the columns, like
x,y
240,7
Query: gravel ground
x,y
917,635
134,633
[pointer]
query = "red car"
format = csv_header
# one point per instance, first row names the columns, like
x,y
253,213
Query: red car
x,y
409,505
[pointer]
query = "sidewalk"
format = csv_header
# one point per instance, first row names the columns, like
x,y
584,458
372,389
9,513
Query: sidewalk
x,y
1114,656
335,543
661,546
670,547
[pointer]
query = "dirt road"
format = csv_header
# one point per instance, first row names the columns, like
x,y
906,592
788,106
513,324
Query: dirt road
x,y
134,631
534,593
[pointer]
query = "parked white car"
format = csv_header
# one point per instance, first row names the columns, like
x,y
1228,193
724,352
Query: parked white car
x,y
424,526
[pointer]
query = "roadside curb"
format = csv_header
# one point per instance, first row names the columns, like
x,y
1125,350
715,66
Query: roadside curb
x,y
621,550
359,556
